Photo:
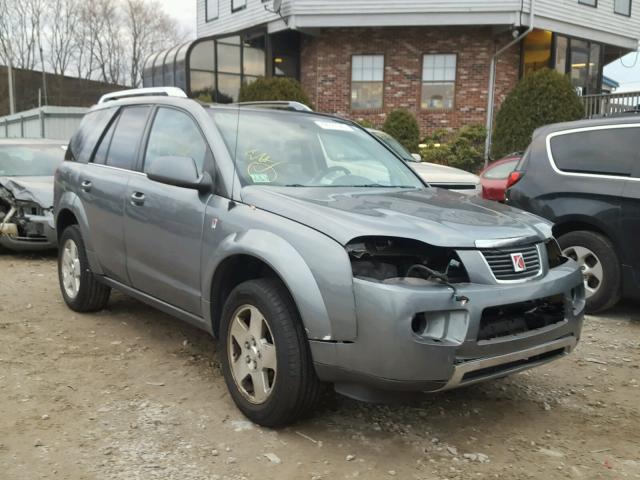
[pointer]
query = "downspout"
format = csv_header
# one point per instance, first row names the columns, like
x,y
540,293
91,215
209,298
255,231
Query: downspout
x,y
492,82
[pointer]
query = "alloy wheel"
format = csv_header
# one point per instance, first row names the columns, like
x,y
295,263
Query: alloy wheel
x,y
590,266
71,271
252,354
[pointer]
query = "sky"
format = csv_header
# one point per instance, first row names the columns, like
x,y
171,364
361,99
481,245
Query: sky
x,y
184,11
625,71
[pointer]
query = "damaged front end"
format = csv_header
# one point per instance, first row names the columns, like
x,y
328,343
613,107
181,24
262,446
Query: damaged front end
x,y
24,223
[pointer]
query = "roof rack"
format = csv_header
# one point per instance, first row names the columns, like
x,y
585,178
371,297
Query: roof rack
x,y
143,92
277,105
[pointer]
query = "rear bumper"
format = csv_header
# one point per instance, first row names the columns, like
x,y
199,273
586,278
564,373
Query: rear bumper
x,y
389,355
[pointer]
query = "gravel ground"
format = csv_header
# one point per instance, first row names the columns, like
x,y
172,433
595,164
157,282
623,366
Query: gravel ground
x,y
130,393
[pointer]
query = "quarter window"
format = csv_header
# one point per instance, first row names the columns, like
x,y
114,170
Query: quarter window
x,y
611,151
84,141
367,78
126,137
622,7
211,10
174,134
438,81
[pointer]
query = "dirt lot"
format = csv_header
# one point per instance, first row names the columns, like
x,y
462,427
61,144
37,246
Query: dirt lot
x,y
130,393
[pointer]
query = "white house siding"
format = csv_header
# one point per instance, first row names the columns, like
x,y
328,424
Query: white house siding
x,y
562,16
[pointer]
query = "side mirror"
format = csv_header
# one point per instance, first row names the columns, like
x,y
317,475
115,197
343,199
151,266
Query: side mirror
x,y
179,172
416,157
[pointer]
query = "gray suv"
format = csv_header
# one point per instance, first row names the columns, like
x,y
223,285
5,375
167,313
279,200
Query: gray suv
x,y
313,252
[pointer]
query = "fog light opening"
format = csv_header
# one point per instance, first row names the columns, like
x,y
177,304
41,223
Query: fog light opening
x,y
418,324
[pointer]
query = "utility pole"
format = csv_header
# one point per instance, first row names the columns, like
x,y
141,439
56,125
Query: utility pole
x,y
12,100
44,77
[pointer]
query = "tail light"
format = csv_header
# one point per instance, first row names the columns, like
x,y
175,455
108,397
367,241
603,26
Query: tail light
x,y
514,177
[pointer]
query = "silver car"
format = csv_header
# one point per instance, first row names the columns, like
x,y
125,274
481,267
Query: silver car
x,y
436,175
26,193
312,252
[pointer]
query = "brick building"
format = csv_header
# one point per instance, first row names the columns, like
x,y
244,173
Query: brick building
x,y
362,59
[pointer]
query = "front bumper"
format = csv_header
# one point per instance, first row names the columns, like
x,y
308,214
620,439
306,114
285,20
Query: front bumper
x,y
34,233
389,355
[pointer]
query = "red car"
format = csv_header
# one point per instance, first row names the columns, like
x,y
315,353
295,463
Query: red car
x,y
495,178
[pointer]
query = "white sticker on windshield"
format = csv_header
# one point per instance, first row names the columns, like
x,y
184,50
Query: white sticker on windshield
x,y
260,178
329,125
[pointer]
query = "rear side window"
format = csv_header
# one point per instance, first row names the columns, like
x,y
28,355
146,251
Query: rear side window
x,y
611,151
84,140
175,134
126,137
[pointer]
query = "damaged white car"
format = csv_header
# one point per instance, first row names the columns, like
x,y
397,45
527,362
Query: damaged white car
x,y
27,167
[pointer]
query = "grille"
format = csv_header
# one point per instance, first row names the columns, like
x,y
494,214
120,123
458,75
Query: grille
x,y
501,263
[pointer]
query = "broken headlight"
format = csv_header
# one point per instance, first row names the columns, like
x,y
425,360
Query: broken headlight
x,y
395,259
554,254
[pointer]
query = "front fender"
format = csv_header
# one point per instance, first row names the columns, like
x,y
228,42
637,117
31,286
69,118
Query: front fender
x,y
312,300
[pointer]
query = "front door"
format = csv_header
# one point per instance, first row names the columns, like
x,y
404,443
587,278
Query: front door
x,y
163,225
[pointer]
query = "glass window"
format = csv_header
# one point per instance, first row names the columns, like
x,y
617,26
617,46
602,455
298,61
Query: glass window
x,y
438,81
202,56
228,88
84,140
238,5
174,134
126,138
591,3
562,46
100,157
203,85
276,149
228,58
254,56
622,7
579,61
613,151
594,69
367,78
211,10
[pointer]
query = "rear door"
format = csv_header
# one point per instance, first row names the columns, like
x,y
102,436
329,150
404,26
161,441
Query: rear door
x,y
103,188
631,226
163,226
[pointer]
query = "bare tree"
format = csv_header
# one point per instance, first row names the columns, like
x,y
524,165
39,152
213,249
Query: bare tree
x,y
109,45
20,24
60,34
148,30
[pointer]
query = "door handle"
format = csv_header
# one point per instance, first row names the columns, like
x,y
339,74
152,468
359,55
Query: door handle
x,y
137,198
86,185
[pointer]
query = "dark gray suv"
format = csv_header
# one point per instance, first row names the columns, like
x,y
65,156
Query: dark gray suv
x,y
311,250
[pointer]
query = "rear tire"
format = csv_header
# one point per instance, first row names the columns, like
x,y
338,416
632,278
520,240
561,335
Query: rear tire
x,y
267,365
600,266
80,289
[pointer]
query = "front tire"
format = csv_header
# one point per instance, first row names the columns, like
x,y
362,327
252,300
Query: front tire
x,y
266,361
600,267
80,289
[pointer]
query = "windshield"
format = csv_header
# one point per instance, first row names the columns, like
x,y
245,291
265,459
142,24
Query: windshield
x,y
394,145
30,160
303,150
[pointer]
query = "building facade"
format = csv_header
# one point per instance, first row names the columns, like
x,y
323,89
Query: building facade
x,y
363,58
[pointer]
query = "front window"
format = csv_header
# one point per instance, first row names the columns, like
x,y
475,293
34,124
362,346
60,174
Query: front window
x,y
438,81
622,7
367,79
537,50
238,5
301,150
30,160
211,10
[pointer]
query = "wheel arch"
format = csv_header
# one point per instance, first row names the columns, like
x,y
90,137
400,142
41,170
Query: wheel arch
x,y
258,254
575,223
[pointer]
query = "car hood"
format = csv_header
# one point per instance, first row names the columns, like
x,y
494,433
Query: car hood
x,y
30,189
432,215
435,173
